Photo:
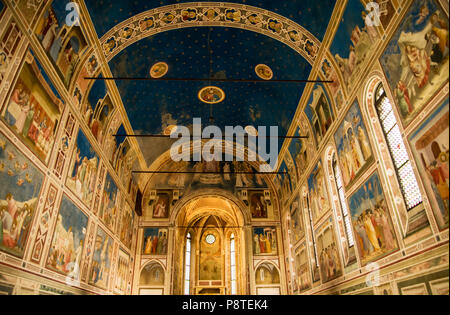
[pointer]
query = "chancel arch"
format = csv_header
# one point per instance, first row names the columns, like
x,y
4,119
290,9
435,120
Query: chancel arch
x,y
210,221
267,279
152,278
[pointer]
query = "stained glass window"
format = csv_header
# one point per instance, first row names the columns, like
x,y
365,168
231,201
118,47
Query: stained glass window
x,y
406,177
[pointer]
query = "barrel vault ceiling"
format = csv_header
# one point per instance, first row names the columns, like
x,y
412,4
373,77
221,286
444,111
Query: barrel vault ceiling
x,y
236,46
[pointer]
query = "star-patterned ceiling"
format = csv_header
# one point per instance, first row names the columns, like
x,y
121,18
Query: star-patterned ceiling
x,y
232,53
152,106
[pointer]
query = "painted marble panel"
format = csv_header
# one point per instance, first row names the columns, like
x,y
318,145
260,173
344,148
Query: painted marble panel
x,y
353,146
430,145
416,59
372,225
21,184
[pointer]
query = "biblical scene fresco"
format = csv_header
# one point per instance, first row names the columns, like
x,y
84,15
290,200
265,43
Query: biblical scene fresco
x,y
416,60
265,241
21,184
161,206
155,241
211,259
127,222
297,223
108,208
353,146
101,260
373,230
68,239
319,112
318,193
34,108
328,251
299,151
122,272
302,269
229,179
354,41
83,169
258,205
430,145
64,44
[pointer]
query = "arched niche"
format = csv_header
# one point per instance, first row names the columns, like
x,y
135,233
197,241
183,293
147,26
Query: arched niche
x,y
152,274
267,279
267,274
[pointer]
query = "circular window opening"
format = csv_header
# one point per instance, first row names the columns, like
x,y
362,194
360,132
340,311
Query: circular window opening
x,y
210,239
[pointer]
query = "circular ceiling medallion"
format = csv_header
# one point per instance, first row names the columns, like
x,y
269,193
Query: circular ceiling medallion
x,y
210,239
159,70
169,130
251,131
211,95
264,72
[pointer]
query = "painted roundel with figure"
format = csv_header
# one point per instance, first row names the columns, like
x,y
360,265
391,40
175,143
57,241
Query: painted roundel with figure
x,y
211,95
159,70
264,72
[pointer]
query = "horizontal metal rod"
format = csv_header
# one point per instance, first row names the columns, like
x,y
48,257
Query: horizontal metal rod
x,y
192,137
193,172
205,80
214,226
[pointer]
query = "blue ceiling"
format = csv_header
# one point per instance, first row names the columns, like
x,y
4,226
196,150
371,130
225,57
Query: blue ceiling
x,y
152,106
106,14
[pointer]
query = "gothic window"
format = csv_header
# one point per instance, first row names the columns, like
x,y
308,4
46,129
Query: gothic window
x,y
397,150
187,268
344,209
233,264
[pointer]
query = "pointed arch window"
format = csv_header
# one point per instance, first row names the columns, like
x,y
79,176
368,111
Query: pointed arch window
x,y
187,267
399,154
344,209
312,231
233,264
